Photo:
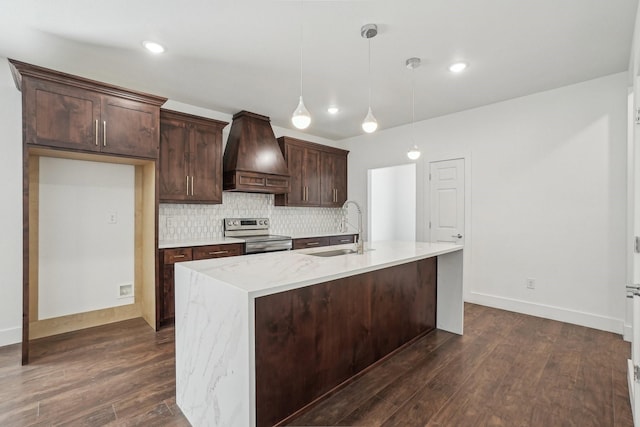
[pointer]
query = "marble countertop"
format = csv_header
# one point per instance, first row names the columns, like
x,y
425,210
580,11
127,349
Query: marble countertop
x,y
269,273
168,244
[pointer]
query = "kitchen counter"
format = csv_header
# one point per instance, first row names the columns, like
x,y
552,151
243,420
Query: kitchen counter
x,y
265,274
169,244
216,300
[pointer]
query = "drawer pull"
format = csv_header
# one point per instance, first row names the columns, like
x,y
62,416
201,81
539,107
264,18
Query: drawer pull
x,y
178,256
345,240
218,252
313,243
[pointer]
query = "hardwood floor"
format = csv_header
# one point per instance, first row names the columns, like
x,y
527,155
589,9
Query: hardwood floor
x,y
507,370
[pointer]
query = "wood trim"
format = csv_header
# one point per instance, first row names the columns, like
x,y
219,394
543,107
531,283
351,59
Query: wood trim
x,y
149,236
25,244
73,322
34,233
203,121
312,145
21,69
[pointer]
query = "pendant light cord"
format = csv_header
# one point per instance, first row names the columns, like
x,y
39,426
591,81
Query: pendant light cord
x,y
413,104
301,39
369,72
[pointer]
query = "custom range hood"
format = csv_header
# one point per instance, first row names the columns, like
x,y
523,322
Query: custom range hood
x,y
253,161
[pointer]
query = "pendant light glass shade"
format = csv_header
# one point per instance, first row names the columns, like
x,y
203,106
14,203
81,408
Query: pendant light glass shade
x,y
370,124
301,117
413,153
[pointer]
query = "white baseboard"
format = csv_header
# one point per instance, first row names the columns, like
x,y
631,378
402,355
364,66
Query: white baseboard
x,y
627,333
561,314
10,336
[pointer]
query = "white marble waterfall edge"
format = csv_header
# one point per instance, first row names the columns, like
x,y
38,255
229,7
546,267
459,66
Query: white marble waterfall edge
x,y
212,351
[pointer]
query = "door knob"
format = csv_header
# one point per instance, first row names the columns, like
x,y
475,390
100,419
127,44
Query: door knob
x,y
457,236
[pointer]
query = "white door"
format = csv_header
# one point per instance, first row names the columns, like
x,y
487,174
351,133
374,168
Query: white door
x,y
447,201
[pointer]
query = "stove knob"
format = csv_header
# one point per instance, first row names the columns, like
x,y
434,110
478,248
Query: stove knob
x,y
261,222
236,222
266,222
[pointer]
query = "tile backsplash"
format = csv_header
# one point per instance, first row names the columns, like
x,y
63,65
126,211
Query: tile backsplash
x,y
193,221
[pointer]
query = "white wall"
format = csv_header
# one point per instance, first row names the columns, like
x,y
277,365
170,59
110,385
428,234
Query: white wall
x,y
547,176
392,203
83,255
11,223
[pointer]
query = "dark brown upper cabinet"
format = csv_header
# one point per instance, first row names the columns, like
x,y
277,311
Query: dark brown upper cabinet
x,y
333,191
318,174
190,158
72,113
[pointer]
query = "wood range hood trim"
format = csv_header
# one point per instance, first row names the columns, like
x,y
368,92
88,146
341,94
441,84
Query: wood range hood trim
x,y
253,161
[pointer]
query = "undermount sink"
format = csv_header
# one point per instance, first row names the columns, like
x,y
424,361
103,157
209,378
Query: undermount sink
x,y
334,252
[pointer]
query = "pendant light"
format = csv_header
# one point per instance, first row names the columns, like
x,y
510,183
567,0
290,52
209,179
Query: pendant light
x,y
370,124
412,64
301,117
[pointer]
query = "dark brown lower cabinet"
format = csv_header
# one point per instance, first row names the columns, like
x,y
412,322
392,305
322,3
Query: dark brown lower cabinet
x,y
167,259
312,339
315,242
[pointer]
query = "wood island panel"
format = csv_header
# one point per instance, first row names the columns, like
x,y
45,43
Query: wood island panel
x,y
310,340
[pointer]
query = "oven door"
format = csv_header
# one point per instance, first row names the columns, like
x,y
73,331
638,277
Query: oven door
x,y
267,246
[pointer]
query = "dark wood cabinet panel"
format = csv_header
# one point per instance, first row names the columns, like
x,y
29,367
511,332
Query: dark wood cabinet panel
x,y
174,152
318,174
334,179
72,113
168,257
310,242
190,158
129,128
341,240
294,156
331,331
61,116
217,251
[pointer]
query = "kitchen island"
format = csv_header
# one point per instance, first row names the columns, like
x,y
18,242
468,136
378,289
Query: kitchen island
x,y
259,337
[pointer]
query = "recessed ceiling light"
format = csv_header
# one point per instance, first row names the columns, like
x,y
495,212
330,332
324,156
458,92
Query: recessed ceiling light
x,y
153,47
457,67
333,110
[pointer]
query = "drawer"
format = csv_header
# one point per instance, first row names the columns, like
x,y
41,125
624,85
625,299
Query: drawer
x,y
217,251
312,242
171,256
341,240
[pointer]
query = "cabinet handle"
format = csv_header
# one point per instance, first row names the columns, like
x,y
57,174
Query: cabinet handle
x,y
218,252
187,185
313,243
104,133
96,132
346,240
192,185
178,256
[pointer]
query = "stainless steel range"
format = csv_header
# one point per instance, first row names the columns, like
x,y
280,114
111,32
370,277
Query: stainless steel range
x,y
255,233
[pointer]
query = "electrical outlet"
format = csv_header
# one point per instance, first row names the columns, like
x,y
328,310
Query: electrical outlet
x,y
125,290
112,218
531,283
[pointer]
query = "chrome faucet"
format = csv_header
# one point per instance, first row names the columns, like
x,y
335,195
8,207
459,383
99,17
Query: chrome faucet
x,y
359,243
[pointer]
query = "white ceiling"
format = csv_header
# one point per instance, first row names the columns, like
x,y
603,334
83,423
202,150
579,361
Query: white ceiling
x,y
232,55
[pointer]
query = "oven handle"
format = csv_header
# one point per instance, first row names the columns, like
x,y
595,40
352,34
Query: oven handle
x,y
268,247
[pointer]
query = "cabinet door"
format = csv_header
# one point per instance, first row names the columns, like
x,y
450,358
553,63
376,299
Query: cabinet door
x,y
206,163
310,242
295,162
174,147
312,177
61,116
334,179
217,251
129,128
